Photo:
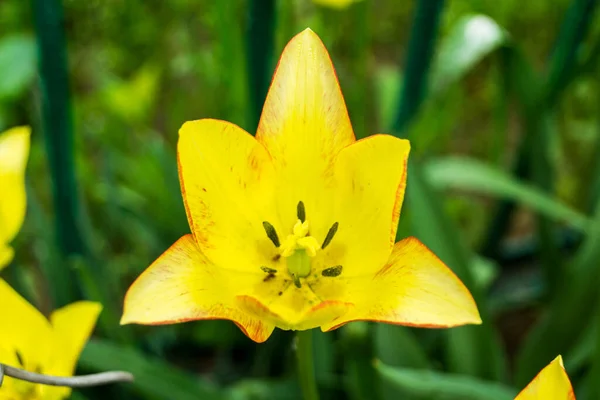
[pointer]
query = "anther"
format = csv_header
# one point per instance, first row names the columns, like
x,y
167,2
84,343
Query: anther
x,y
301,212
332,272
330,235
269,270
271,233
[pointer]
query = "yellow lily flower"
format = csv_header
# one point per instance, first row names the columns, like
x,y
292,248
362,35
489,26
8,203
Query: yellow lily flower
x,y
295,228
552,383
14,150
31,342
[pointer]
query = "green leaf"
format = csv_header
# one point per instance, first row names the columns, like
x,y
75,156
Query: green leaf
x,y
153,377
437,231
442,386
17,65
398,346
576,307
255,389
469,41
472,175
132,99
388,82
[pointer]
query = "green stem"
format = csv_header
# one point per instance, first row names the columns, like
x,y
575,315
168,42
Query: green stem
x,y
57,124
261,40
418,60
306,366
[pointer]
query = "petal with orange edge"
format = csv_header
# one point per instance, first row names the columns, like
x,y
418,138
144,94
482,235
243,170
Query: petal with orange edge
x,y
551,383
182,285
370,178
292,308
304,124
226,181
414,288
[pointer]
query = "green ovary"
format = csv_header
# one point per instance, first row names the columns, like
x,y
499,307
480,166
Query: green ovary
x,y
299,263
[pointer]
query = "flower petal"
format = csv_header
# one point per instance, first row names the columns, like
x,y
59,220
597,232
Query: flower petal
x,y
371,177
72,326
24,329
551,383
293,308
14,151
226,181
304,124
414,288
6,255
182,285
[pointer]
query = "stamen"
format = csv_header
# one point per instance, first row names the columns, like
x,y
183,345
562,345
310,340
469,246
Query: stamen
x,y
301,212
269,270
271,233
330,235
332,272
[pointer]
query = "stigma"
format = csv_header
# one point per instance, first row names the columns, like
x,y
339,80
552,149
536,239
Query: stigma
x,y
298,248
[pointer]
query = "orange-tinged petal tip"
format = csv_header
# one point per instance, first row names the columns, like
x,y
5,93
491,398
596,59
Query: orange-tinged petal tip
x,y
552,382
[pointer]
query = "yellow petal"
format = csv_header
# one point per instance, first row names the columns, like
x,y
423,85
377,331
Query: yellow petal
x,y
6,255
24,329
14,151
72,326
292,308
414,288
226,181
11,388
551,383
304,124
371,177
182,285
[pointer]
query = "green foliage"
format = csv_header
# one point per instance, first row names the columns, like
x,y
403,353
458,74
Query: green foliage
x,y
17,65
154,378
500,102
477,177
434,385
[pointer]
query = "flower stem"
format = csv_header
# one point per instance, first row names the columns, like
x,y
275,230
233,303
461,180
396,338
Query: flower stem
x,y
306,366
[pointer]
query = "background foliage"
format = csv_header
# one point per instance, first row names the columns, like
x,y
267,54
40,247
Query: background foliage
x,y
499,99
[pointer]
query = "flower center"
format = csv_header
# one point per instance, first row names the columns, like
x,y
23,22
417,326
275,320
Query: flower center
x,y
298,248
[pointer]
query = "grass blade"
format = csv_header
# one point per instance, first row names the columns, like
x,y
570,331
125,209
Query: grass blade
x,y
475,176
153,377
436,385
57,123
437,231
261,41
418,61
560,329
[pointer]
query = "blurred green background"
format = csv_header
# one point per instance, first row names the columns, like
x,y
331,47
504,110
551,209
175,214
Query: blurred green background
x,y
500,100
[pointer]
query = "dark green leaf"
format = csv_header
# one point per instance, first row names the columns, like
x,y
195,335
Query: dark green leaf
x,y
472,175
433,227
441,386
153,377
